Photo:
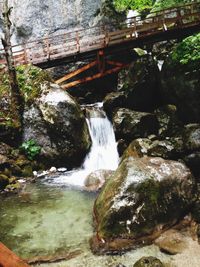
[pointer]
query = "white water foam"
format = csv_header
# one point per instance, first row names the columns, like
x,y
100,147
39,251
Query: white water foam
x,y
103,153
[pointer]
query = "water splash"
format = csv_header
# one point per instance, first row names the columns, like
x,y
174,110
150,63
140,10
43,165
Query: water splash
x,y
103,153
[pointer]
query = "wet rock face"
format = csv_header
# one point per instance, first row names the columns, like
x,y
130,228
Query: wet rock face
x,y
114,100
141,199
142,85
129,124
181,87
148,262
169,124
56,122
35,18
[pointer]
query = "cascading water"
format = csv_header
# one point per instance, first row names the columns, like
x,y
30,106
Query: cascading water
x,y
103,153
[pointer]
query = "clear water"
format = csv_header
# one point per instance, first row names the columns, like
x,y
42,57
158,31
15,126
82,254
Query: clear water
x,y
45,220
53,217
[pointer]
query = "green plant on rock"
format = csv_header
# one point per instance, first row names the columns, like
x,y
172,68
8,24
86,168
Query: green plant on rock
x,y
188,50
31,149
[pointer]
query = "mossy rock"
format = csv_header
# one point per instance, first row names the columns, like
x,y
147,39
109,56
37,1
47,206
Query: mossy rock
x,y
27,171
148,262
141,195
13,187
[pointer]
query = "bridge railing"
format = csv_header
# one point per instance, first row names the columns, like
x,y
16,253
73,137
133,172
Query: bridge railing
x,y
84,40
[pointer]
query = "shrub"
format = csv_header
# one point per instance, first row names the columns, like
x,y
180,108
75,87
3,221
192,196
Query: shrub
x,y
31,149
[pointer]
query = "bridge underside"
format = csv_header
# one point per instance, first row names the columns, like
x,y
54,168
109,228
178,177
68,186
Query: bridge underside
x,y
100,58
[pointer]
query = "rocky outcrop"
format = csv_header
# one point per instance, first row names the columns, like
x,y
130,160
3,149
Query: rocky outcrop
x,y
169,124
142,198
35,19
181,87
56,123
129,124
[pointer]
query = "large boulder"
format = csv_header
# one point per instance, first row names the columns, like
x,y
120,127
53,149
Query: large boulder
x,y
129,124
142,198
170,148
56,123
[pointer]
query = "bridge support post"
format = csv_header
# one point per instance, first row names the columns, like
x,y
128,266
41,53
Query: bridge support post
x,y
101,61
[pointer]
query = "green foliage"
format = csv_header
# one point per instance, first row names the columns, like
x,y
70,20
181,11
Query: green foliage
x,y
31,149
187,52
30,79
163,4
133,4
141,5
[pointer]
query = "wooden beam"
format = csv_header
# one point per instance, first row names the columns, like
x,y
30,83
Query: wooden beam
x,y
91,78
76,72
118,64
9,259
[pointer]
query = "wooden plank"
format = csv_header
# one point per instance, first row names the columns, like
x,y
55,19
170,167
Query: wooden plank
x,y
9,259
74,73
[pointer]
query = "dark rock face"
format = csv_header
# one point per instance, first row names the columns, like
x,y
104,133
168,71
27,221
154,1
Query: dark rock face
x,y
191,139
114,100
148,262
142,85
129,124
56,122
181,87
169,124
141,199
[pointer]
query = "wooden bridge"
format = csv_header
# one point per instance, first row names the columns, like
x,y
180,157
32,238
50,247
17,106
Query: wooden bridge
x,y
98,43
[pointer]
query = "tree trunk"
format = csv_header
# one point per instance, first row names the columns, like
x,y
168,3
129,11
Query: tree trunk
x,y
17,101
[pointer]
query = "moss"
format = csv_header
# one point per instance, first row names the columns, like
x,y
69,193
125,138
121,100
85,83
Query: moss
x,y
30,79
13,187
150,189
27,171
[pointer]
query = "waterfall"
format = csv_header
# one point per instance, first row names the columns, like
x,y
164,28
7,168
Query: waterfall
x,y
103,153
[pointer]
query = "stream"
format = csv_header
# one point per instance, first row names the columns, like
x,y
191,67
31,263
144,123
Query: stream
x,y
52,218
